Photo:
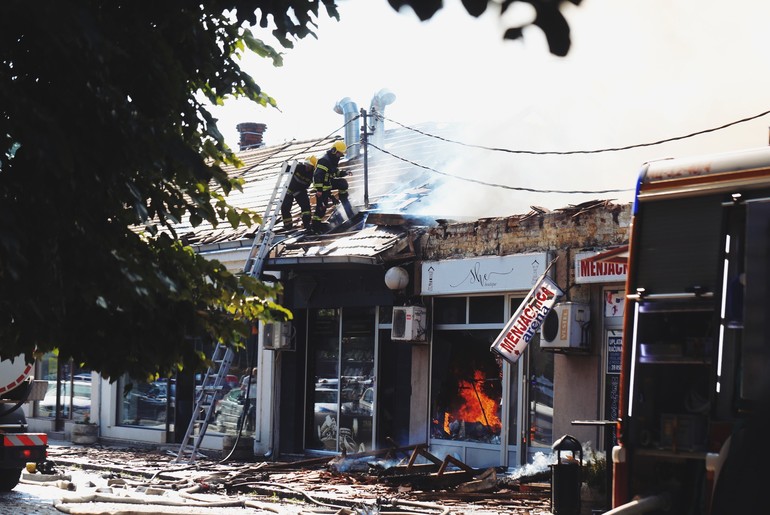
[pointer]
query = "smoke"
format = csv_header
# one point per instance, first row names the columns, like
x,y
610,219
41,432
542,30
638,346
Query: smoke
x,y
541,462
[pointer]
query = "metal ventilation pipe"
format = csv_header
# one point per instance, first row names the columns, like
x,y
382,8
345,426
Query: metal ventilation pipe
x,y
380,99
349,110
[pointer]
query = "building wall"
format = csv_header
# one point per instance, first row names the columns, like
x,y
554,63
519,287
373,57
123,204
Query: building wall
x,y
577,377
571,228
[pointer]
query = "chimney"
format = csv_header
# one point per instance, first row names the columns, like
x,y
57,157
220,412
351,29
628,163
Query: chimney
x,y
251,135
377,109
349,110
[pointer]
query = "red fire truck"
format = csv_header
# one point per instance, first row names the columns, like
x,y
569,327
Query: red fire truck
x,y
695,370
17,446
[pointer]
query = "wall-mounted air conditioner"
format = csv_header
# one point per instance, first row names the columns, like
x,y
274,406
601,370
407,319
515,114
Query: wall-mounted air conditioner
x,y
277,336
566,327
409,324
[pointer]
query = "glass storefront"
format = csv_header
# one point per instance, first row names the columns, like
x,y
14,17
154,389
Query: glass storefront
x,y
477,399
146,404
341,361
466,390
73,385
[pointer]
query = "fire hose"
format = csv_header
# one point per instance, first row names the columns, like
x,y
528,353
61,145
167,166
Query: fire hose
x,y
642,505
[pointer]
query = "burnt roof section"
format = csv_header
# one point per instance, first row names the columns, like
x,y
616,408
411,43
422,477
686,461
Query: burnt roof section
x,y
394,177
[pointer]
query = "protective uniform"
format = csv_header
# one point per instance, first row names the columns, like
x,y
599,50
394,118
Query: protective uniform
x,y
297,189
328,176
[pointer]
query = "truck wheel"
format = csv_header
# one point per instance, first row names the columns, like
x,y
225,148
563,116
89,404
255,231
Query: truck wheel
x,y
9,478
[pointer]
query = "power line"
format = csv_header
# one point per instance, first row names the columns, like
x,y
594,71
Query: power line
x,y
574,152
495,185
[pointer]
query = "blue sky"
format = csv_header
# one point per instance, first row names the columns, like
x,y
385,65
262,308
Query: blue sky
x,y
639,71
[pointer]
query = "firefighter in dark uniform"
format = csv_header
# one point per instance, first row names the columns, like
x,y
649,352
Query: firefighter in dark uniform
x,y
327,177
300,181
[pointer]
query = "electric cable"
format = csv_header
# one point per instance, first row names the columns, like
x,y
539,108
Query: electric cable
x,y
574,152
496,185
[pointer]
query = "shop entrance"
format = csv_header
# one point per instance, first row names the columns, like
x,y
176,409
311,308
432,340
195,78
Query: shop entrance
x,y
340,410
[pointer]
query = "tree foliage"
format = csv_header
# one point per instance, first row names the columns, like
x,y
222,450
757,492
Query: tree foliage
x,y
105,145
102,133
548,17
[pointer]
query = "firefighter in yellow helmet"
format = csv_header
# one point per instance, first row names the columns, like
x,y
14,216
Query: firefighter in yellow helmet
x,y
327,177
297,189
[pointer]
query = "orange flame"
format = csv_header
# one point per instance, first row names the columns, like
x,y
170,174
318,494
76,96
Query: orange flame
x,y
478,407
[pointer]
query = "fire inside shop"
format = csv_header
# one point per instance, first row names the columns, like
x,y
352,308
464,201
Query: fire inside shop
x,y
467,388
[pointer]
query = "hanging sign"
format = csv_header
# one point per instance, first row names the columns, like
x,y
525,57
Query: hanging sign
x,y
524,324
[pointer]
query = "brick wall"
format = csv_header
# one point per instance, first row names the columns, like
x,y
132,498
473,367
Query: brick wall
x,y
600,224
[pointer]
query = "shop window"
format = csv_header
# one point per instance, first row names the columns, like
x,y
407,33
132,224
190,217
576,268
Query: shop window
x,y
73,385
450,310
540,396
343,396
486,310
466,388
145,404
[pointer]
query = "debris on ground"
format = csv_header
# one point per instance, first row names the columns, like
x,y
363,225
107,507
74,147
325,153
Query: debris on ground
x,y
400,479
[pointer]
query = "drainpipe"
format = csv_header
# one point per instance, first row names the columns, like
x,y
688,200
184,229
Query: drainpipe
x,y
382,98
349,110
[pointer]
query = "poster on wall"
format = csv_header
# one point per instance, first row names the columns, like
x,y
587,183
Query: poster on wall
x,y
527,319
614,350
613,303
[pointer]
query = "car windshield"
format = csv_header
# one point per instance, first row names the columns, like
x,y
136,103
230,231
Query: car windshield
x,y
326,396
82,389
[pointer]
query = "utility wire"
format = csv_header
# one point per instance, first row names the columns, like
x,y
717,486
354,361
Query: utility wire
x,y
495,185
573,152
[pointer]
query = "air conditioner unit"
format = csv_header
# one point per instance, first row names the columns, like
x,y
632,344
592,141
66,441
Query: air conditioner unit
x,y
277,336
409,324
566,327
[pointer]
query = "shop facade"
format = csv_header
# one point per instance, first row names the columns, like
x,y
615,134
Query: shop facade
x,y
486,410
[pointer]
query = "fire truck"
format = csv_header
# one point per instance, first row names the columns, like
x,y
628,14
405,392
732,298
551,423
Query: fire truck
x,y
696,354
17,446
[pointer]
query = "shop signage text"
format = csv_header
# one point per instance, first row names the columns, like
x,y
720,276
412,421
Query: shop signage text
x,y
588,270
524,324
482,274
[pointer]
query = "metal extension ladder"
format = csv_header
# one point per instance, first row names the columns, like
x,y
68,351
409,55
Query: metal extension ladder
x,y
206,400
263,239
211,387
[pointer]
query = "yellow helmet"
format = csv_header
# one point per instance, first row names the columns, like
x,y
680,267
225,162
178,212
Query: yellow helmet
x,y
311,160
340,147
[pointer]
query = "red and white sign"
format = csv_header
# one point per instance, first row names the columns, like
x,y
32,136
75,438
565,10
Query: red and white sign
x,y
610,266
524,324
24,439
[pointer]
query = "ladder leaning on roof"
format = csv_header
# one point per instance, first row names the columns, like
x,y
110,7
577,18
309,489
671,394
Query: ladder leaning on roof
x,y
263,239
211,387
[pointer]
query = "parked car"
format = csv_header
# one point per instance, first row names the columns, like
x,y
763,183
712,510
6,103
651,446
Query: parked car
x,y
81,400
228,413
362,406
326,400
146,403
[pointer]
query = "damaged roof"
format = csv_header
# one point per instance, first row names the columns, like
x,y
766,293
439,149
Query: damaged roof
x,y
383,184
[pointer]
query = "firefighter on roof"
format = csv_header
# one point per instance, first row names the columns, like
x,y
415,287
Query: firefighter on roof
x,y
327,177
300,181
